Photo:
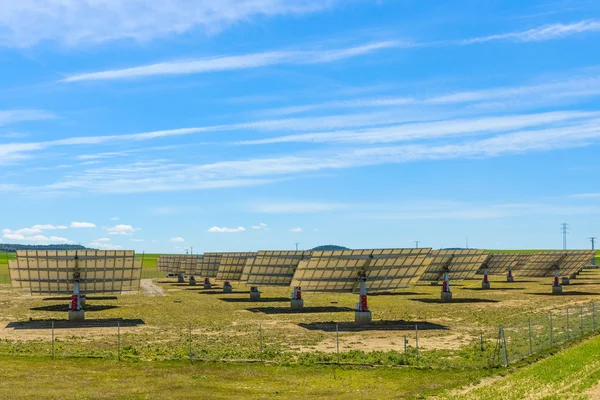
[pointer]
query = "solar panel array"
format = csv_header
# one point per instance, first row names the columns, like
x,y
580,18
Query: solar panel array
x,y
460,264
340,271
568,262
499,263
52,272
273,268
232,265
208,266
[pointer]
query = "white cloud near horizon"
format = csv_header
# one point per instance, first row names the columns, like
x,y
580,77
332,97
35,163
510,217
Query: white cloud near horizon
x,y
8,117
177,239
121,229
295,207
217,229
260,226
296,230
104,246
84,225
75,22
236,62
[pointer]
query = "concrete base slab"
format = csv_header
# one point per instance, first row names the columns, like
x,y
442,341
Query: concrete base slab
x,y
192,282
556,289
254,296
207,286
76,315
566,281
363,317
297,304
446,296
510,279
180,279
227,289
485,285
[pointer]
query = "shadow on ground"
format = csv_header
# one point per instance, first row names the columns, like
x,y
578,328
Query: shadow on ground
x,y
396,294
262,300
65,307
374,326
305,310
221,292
493,289
91,298
455,301
566,292
64,324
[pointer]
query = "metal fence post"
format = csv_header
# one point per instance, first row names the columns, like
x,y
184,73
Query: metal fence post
x,y
550,329
417,341
190,341
261,341
568,333
337,341
405,344
530,342
581,318
481,340
594,315
53,340
119,340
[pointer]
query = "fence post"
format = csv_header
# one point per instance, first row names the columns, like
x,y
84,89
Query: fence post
x,y
481,340
568,333
550,329
530,342
53,339
261,341
581,318
190,341
405,344
504,353
119,340
417,341
594,315
337,341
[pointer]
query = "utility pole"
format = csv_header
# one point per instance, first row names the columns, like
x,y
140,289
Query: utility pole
x,y
564,228
297,246
467,243
416,244
593,240
191,250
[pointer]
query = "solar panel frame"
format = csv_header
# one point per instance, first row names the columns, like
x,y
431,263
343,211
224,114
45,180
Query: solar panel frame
x,y
231,266
461,264
340,271
46,272
499,263
208,266
272,268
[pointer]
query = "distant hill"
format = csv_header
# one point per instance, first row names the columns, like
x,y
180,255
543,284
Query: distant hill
x,y
329,247
11,248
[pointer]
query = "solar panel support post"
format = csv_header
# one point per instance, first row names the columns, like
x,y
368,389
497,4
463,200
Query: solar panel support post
x,y
556,286
227,288
75,311
297,301
446,293
180,278
363,315
485,283
254,293
207,284
192,280
509,275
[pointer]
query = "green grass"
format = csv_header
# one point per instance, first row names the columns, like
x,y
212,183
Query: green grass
x,y
566,375
25,378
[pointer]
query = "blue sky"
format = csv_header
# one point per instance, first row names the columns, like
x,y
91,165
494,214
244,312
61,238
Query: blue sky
x,y
258,124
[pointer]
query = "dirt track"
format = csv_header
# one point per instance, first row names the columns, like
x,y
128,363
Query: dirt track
x,y
150,288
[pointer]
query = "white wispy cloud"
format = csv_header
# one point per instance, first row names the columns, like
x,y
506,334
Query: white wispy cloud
x,y
228,63
217,229
77,22
103,240
104,246
30,235
121,229
49,227
177,239
82,225
295,207
8,117
542,33
296,230
260,226
137,240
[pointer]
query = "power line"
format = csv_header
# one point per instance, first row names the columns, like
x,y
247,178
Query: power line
x,y
564,228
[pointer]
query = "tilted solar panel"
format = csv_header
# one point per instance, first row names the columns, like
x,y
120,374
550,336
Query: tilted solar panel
x,y
460,264
232,265
499,263
52,272
208,266
273,268
339,271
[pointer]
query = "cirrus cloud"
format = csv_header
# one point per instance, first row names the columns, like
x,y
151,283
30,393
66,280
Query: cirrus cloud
x,y
217,229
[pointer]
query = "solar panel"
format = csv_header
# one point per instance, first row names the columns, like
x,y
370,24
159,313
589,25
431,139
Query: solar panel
x,y
568,262
460,264
339,271
208,266
273,268
51,272
232,265
499,263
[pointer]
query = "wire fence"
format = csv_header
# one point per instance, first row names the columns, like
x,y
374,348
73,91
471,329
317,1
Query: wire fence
x,y
335,343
